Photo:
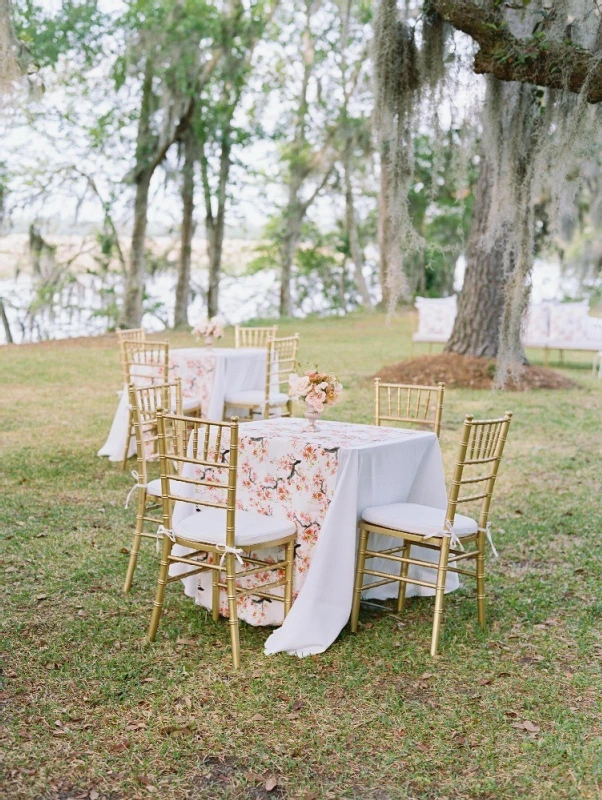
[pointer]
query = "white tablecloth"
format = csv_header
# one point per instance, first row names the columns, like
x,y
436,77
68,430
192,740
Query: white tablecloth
x,y
207,376
323,481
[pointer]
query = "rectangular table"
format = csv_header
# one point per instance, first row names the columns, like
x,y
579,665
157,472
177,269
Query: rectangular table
x,y
207,375
322,481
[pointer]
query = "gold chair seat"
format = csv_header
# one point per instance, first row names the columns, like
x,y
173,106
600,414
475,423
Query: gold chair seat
x,y
420,520
255,397
209,525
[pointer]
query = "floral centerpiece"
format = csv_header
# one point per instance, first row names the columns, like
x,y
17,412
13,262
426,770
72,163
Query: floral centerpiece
x,y
318,390
210,330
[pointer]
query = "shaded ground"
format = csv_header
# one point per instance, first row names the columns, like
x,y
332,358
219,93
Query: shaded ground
x,y
468,372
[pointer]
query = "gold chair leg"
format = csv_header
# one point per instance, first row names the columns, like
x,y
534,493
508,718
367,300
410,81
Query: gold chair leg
x,y
161,584
481,579
439,593
401,596
289,573
215,595
232,610
359,578
128,437
141,508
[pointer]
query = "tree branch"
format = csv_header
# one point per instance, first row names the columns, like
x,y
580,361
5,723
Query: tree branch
x,y
535,60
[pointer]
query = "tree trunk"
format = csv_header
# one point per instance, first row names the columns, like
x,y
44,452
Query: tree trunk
x,y
354,239
183,285
5,323
290,238
384,228
215,223
219,224
131,313
477,327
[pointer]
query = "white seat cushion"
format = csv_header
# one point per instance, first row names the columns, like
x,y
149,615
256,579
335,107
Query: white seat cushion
x,y
209,525
414,518
154,487
256,398
190,404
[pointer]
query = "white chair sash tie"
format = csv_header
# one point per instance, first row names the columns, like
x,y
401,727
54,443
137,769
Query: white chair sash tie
x,y
487,531
224,549
448,530
163,531
137,485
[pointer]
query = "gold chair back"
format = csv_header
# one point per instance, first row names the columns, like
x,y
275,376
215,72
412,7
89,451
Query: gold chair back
x,y
481,448
254,337
212,452
128,335
398,402
145,401
146,362
282,360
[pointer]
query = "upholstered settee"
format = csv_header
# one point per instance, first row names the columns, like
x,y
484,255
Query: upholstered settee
x,y
550,326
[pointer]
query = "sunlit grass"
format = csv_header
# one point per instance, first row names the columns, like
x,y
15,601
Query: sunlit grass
x,y
90,706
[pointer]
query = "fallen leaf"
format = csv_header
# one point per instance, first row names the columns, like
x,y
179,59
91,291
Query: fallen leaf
x,y
125,551
526,725
169,729
485,681
94,795
187,702
185,642
257,718
119,747
270,784
297,705
41,597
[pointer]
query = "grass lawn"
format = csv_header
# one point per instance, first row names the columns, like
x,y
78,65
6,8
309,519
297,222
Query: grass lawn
x,y
93,711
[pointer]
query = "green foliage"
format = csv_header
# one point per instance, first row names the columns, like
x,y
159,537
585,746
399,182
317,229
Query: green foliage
x,y
75,28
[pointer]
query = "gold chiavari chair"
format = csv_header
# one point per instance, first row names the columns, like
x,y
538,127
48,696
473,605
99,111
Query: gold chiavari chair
x,y
254,337
144,401
128,335
146,363
398,402
480,452
206,479
281,361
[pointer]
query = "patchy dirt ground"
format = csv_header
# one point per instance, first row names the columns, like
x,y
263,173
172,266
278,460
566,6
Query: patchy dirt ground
x,y
468,371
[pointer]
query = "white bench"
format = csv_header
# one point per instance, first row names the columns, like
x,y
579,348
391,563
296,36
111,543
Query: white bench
x,y
436,316
549,326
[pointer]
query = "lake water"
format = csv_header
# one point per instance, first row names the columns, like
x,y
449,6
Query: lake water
x,y
79,308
